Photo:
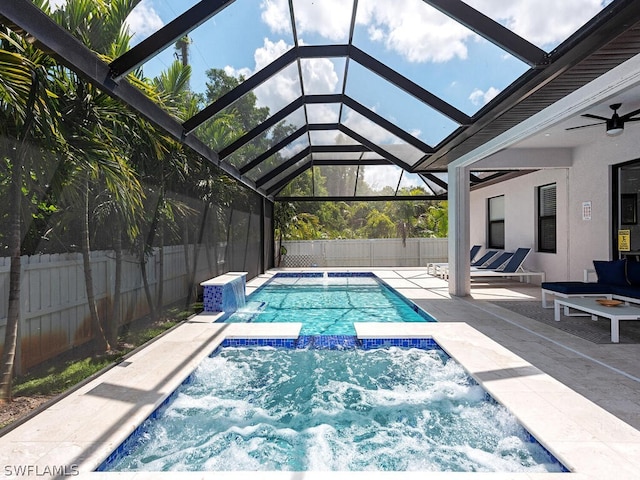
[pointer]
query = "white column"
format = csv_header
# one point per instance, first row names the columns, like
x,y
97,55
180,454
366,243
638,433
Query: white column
x,y
459,238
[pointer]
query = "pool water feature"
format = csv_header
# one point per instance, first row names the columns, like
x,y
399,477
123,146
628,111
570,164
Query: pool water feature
x,y
296,408
327,303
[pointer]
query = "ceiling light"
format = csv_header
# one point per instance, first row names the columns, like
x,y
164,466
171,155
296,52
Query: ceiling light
x,y
614,126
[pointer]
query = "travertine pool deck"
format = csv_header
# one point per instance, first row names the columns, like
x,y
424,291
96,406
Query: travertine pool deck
x,y
579,399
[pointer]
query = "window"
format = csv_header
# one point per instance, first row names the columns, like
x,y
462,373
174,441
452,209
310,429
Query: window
x,y
496,222
547,218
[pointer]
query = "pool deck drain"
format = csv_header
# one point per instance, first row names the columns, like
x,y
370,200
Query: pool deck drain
x,y
73,436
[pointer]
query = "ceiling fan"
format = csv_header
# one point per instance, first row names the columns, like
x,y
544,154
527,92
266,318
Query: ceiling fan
x,y
615,124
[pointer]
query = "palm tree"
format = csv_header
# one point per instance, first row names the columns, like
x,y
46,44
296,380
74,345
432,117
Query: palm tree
x,y
172,86
91,120
27,123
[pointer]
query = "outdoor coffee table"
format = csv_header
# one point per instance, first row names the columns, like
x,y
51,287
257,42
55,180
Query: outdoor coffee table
x,y
591,306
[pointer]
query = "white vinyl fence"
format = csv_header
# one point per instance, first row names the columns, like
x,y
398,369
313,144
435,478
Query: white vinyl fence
x,y
54,314
387,252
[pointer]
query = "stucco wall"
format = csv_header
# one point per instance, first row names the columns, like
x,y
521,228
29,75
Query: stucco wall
x,y
579,241
520,218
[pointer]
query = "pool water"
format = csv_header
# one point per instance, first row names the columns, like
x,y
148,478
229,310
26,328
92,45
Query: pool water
x,y
327,304
385,409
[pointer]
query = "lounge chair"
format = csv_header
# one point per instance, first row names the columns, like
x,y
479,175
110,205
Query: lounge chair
x,y
495,262
511,268
488,255
432,268
442,270
474,251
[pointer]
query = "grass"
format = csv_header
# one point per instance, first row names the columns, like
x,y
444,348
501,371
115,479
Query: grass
x,y
58,378
60,374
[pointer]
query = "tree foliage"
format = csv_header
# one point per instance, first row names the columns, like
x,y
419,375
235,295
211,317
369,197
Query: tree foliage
x,y
80,171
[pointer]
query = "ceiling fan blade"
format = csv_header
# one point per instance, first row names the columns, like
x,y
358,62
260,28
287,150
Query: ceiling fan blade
x,y
597,117
584,126
627,116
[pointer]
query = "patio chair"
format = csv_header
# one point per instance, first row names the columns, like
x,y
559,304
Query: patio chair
x,y
512,267
495,263
432,268
442,270
488,255
474,251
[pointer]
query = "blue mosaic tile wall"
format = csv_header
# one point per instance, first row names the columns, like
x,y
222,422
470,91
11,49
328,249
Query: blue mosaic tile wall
x,y
222,298
321,274
422,343
331,342
212,298
299,274
351,274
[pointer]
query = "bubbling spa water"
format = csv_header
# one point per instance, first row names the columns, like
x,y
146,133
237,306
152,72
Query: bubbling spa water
x,y
391,409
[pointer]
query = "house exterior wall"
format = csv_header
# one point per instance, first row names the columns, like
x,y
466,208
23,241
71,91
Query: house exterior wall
x,y
520,218
579,241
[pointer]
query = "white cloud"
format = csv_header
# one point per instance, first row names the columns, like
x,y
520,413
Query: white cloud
x,y
413,30
269,52
479,97
422,34
319,75
284,87
375,34
323,113
327,18
240,72
369,129
543,21
275,13
143,20
280,90
381,176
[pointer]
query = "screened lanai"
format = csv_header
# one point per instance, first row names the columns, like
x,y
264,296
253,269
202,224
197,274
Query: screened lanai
x,y
381,97
218,110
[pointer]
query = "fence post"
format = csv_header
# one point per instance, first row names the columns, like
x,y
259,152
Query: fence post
x,y
370,253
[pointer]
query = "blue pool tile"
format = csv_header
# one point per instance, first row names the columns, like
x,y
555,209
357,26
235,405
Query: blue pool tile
x,y
422,343
298,275
350,274
332,342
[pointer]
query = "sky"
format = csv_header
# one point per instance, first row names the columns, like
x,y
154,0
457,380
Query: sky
x,y
408,35
419,42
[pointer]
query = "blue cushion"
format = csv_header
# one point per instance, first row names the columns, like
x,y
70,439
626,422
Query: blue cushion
x,y
626,291
633,272
612,272
577,288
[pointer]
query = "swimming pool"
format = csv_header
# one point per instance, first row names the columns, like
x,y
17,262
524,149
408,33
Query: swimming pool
x,y
327,303
404,407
